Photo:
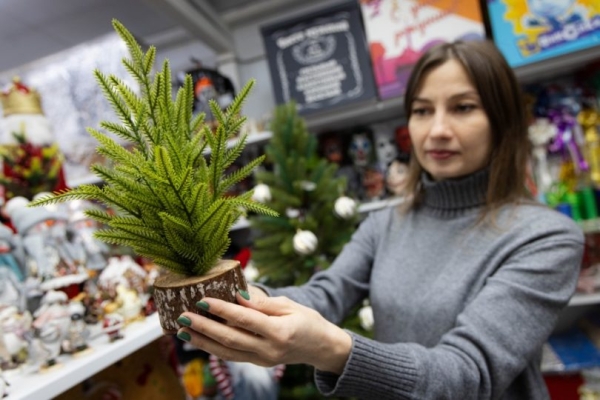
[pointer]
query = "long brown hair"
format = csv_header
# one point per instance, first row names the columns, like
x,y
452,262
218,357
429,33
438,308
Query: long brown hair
x,y
501,100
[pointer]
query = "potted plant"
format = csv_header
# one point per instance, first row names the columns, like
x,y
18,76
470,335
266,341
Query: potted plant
x,y
168,193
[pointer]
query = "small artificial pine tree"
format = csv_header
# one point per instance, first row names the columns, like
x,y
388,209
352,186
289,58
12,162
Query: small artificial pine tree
x,y
304,189
170,199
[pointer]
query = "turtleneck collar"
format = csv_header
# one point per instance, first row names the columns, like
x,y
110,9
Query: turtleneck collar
x,y
452,197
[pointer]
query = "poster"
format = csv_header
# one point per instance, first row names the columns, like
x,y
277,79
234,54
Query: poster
x,y
320,60
400,31
527,31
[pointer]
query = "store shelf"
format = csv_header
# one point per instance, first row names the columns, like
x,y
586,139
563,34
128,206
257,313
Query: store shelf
x,y
378,205
72,370
557,66
253,138
356,114
581,299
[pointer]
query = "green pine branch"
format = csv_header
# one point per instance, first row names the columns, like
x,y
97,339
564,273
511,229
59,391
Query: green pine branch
x,y
170,200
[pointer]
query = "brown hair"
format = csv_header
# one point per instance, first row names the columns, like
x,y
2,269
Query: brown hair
x,y
502,101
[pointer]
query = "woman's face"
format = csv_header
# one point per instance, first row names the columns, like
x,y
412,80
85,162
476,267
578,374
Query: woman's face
x,y
448,127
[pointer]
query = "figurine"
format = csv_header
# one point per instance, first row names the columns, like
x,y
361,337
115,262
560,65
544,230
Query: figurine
x,y
373,183
385,147
52,322
92,252
112,325
14,326
396,176
49,256
78,333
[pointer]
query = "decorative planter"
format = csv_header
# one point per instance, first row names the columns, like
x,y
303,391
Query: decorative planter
x,y
174,293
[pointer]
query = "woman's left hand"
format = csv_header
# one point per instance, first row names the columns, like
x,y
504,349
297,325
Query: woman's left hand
x,y
267,331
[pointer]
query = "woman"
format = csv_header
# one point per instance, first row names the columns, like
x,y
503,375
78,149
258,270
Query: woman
x,y
465,283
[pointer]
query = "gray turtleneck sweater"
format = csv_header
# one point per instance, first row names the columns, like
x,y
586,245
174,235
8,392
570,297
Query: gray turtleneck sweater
x,y
461,309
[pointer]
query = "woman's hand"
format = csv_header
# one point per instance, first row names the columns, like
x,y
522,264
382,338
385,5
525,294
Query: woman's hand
x,y
267,331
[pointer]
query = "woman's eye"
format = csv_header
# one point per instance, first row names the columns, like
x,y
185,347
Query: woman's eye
x,y
464,108
419,111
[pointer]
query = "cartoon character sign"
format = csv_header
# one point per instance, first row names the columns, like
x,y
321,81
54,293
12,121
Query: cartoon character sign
x,y
527,31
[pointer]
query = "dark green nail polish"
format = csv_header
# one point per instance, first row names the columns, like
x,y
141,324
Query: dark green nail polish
x,y
244,294
184,336
185,321
203,305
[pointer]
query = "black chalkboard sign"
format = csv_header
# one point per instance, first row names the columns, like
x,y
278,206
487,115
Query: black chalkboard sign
x,y
320,60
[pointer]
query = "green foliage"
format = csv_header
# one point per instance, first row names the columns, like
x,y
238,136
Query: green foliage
x,y
170,200
307,183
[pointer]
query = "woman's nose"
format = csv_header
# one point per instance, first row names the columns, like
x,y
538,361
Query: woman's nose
x,y
440,126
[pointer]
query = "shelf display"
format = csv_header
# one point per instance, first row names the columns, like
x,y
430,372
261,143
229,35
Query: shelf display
x,y
530,31
398,32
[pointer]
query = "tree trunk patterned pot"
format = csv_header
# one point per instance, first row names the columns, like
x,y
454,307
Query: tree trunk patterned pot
x,y
175,294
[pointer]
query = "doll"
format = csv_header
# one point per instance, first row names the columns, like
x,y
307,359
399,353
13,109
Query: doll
x,y
385,147
332,150
396,176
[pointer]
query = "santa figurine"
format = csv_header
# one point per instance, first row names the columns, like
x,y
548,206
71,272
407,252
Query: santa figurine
x,y
31,158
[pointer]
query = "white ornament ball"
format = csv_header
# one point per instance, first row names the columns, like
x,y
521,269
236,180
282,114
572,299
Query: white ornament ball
x,y
251,272
305,242
262,193
345,207
365,315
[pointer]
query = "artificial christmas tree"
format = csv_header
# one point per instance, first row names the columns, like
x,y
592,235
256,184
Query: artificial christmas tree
x,y
315,221
303,190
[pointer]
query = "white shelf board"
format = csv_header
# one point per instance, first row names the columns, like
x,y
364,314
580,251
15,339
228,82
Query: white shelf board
x,y
378,205
253,138
584,299
73,370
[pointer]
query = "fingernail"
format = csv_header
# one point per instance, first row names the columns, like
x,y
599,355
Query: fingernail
x,y
244,294
203,305
184,336
185,321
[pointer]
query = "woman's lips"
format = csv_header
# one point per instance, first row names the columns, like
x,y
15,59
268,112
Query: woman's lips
x,y
440,154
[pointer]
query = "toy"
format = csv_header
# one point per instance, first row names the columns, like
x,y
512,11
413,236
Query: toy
x,y
51,323
396,176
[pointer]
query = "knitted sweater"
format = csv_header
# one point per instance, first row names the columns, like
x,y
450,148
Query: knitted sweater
x,y
461,309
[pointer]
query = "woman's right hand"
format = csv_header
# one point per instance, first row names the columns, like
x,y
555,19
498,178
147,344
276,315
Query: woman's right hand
x,y
268,331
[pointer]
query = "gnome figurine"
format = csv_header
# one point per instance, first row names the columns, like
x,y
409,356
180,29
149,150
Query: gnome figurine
x,y
32,161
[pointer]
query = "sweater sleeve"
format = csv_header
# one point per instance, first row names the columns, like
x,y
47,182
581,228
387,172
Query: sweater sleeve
x,y
494,339
337,290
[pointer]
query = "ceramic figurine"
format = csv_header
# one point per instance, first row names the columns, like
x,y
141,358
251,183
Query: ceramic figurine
x,y
52,322
49,254
112,325
15,327
78,332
